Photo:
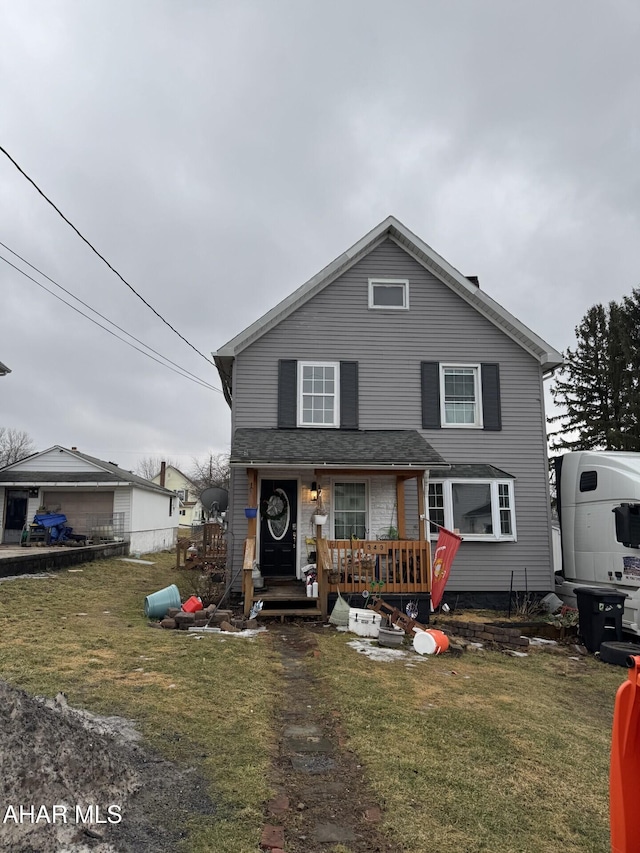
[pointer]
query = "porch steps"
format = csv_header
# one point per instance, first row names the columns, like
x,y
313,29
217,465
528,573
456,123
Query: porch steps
x,y
286,597
298,612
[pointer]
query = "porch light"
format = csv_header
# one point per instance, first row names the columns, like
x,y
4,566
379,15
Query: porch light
x,y
314,491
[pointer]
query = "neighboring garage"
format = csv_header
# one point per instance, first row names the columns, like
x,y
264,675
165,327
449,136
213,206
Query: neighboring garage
x,y
99,499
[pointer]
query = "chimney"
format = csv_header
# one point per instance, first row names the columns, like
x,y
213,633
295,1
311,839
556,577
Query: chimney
x,y
163,473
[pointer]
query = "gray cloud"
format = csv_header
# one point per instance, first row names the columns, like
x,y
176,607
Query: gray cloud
x,y
220,154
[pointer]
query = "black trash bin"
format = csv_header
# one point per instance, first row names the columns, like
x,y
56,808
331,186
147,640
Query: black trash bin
x,y
600,612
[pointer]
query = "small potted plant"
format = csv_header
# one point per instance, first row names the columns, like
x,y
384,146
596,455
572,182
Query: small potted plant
x,y
251,511
320,515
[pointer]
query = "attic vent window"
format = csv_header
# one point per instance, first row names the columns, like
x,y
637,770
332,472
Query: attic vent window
x,y
389,293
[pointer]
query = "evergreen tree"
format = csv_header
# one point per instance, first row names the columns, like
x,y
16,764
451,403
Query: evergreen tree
x,y
598,386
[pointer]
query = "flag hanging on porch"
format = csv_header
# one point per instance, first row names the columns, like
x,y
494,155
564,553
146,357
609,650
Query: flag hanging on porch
x,y
446,549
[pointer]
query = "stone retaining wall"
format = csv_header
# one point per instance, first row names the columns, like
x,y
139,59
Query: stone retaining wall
x,y
484,632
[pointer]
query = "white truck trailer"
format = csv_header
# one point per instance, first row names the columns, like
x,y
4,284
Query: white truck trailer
x,y
599,510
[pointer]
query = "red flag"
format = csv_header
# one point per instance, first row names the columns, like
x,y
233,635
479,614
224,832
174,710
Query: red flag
x,y
446,549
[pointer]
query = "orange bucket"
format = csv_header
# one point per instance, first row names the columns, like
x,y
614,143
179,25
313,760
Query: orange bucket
x,y
192,604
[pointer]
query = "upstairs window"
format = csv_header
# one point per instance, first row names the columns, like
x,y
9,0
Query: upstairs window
x,y
390,293
318,394
460,395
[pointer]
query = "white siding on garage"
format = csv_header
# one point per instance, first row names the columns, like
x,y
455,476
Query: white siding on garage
x,y
153,526
57,460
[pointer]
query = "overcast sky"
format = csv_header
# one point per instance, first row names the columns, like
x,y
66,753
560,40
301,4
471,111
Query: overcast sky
x,y
219,154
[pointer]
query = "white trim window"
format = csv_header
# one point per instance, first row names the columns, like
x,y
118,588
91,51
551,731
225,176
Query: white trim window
x,y
482,510
350,509
461,395
389,293
318,394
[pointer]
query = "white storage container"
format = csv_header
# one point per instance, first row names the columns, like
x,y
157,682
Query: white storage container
x,y
365,623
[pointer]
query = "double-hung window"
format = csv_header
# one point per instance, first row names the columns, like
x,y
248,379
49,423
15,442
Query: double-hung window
x,y
350,510
478,509
460,395
318,394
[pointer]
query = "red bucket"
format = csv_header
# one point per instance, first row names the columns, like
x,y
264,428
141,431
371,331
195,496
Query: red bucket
x,y
192,604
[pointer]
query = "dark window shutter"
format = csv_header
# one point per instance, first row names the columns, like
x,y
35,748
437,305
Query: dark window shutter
x,y
491,409
349,410
287,393
430,383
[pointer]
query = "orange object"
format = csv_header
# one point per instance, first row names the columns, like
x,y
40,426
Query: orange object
x,y
442,641
192,604
624,776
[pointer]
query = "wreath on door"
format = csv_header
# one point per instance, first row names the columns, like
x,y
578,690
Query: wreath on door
x,y
274,508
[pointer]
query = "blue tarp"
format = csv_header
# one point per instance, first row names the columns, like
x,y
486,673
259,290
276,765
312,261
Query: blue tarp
x,y
51,519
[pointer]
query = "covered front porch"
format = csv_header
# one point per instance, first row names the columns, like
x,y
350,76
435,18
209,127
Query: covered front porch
x,y
372,535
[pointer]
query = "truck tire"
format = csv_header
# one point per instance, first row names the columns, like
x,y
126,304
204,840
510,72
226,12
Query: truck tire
x,y
618,653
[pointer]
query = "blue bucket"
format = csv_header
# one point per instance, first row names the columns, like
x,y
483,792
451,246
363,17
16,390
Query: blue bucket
x,y
157,604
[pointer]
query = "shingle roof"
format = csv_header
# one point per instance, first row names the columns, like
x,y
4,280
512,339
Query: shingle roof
x,y
472,472
109,473
370,448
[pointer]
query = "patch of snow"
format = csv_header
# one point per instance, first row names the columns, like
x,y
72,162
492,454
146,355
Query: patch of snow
x,y
34,577
541,641
132,560
375,652
248,632
516,654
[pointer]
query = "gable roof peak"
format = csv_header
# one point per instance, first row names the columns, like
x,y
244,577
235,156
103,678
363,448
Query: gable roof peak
x,y
468,288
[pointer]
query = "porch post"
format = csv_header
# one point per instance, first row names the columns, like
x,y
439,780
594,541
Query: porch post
x,y
402,526
252,478
422,521
421,508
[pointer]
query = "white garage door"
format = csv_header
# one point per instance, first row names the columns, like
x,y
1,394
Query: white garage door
x,y
78,506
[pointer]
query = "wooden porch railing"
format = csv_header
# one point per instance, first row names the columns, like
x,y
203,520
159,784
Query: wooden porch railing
x,y
403,566
247,569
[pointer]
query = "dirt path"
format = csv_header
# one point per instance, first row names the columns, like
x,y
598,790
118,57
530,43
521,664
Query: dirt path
x,y
323,799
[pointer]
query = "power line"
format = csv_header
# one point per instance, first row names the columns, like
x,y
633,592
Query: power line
x,y
102,258
86,305
128,343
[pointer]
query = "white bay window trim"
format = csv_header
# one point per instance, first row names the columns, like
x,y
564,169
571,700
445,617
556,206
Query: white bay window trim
x,y
441,495
456,402
379,288
319,394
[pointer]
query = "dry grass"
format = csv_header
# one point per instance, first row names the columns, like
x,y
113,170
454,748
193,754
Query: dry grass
x,y
86,634
479,753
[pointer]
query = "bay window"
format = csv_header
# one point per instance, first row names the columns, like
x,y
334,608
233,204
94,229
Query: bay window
x,y
478,509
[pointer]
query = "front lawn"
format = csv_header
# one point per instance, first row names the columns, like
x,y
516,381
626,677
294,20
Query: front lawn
x,y
482,752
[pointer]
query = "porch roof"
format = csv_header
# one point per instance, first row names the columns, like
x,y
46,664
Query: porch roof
x,y
470,471
388,448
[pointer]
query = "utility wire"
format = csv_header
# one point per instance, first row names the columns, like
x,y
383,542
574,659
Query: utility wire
x,y
102,258
68,304
77,298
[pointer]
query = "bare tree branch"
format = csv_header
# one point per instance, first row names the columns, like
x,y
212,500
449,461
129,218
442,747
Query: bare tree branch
x,y
15,444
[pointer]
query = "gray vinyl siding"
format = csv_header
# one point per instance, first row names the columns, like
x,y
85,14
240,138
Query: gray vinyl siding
x,y
389,347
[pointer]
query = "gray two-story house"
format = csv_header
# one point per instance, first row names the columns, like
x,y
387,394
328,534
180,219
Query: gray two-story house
x,y
395,392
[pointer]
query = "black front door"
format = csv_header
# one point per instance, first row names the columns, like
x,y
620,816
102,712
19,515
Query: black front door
x,y
278,515
16,515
